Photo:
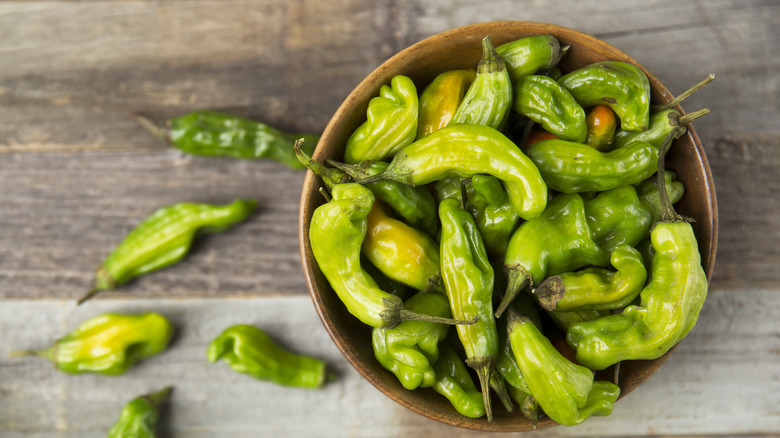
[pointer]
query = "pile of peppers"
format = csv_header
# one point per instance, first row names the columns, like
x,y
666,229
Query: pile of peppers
x,y
526,206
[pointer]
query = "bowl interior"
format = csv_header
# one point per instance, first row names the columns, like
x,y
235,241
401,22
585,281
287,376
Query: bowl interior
x,y
457,49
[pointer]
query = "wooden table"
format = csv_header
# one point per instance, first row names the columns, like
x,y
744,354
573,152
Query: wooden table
x,y
76,174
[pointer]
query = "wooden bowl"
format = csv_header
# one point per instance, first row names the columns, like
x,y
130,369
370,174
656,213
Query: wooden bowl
x,y
460,48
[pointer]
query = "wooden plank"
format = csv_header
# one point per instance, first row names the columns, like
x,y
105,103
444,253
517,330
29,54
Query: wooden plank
x,y
723,379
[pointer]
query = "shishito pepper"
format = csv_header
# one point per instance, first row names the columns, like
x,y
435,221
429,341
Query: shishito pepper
x,y
108,344
249,350
528,55
648,194
564,320
489,98
669,304
463,150
617,216
139,417
391,123
163,239
454,382
565,391
410,349
602,125
441,98
496,220
544,101
217,134
621,86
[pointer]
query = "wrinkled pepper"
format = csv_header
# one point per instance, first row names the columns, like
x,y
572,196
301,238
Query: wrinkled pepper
x,y
529,55
565,391
108,344
617,216
163,239
564,320
454,382
441,98
410,349
139,417
544,101
496,220
217,134
391,123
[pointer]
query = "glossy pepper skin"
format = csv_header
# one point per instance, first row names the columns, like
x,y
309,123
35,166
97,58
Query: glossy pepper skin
x,y
249,350
564,320
463,150
454,382
163,239
565,391
468,279
391,123
617,216
621,86
139,417
108,344
602,125
489,98
596,288
544,101
410,349
570,167
528,55
441,98
496,220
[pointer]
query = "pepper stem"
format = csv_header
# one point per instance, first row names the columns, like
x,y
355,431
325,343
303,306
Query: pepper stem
x,y
499,386
667,210
408,315
46,353
549,292
688,118
482,366
676,101
152,127
491,61
329,175
325,194
92,292
516,279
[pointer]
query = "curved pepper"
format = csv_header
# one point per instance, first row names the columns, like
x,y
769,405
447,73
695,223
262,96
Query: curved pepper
x,y
217,134
564,320
163,239
391,123
496,220
465,150
525,56
108,344
571,167
544,101
139,417
602,125
249,350
410,349
565,391
596,288
454,382
621,86
616,217
441,98
489,98
401,252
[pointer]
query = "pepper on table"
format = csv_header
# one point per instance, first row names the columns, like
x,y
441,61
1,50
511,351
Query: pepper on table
x,y
140,416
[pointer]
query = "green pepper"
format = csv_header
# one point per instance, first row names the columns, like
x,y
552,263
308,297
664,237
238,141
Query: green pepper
x,y
669,304
468,279
450,187
391,123
401,252
489,98
139,417
570,167
565,391
496,220
454,382
618,216
216,134
410,349
544,101
596,288
108,344
465,150
163,239
249,350
564,320
621,86
648,194
526,56
441,98
336,234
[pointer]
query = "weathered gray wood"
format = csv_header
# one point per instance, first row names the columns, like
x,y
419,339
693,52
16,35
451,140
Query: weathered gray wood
x,y
723,379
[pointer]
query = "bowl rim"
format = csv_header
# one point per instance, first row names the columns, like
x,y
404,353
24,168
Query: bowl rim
x,y
373,80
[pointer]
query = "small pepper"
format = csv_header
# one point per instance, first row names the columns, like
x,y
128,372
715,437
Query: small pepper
x,y
618,216
163,239
621,86
528,55
139,417
440,99
602,124
564,320
489,98
466,150
249,350
496,220
544,101
450,187
391,123
108,344
454,382
410,349
216,134
565,391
